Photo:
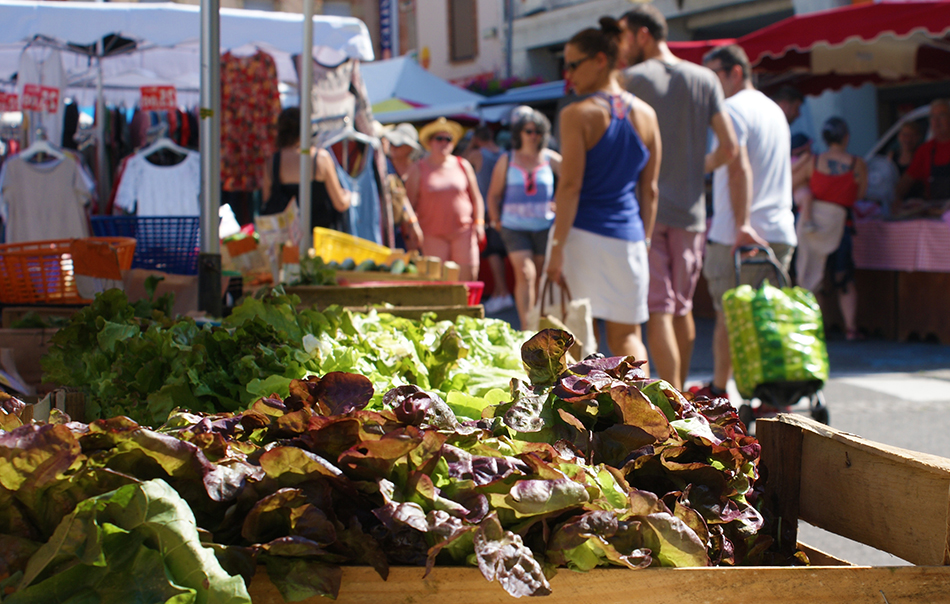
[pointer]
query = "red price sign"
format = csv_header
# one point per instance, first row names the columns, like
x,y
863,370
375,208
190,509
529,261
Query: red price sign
x,y
158,98
40,98
9,102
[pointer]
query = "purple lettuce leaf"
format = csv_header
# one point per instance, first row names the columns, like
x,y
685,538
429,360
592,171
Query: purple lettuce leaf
x,y
287,512
293,546
413,405
614,445
672,542
480,469
290,466
395,514
137,451
359,547
527,411
625,369
573,387
300,578
544,355
596,538
502,555
329,437
452,535
372,459
636,410
341,392
10,409
534,497
34,457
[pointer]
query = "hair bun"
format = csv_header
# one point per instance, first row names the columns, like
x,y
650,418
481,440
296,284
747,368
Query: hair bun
x,y
610,26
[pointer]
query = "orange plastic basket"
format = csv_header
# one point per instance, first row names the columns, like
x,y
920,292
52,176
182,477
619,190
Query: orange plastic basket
x,y
44,272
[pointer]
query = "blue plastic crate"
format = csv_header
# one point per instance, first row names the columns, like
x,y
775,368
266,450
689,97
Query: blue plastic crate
x,y
163,243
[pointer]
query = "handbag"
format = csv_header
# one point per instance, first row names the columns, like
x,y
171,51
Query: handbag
x,y
575,317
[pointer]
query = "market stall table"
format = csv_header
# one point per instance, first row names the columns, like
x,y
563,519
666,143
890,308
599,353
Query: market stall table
x,y
903,277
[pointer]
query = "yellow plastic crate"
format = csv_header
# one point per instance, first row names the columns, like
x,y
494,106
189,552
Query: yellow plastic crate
x,y
336,246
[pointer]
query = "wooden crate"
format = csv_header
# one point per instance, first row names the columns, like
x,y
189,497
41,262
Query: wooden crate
x,y
889,498
29,346
357,277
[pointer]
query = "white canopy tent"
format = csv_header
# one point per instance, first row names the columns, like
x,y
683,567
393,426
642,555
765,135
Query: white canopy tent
x,y
165,43
401,90
115,48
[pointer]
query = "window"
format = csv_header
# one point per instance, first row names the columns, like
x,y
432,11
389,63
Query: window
x,y
337,8
267,5
463,30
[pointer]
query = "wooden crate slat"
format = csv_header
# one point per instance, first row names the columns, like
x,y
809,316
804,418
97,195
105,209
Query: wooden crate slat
x,y
819,558
781,467
772,585
888,498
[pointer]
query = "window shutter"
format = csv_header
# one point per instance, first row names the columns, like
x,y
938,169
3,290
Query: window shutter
x,y
463,30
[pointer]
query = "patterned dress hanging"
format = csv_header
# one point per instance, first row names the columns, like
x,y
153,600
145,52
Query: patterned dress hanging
x,y
250,104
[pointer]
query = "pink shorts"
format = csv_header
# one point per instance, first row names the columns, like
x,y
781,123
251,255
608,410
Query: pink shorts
x,y
676,261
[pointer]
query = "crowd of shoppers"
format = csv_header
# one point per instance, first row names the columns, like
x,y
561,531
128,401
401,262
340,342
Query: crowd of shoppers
x,y
619,216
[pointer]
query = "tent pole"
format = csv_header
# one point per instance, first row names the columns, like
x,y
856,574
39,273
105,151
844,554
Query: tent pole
x,y
103,171
306,128
209,260
509,36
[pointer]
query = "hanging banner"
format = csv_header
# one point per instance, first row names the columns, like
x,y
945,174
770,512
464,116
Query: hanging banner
x,y
40,98
386,28
158,98
9,102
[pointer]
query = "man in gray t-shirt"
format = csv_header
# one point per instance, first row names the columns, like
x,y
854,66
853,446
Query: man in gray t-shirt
x,y
688,100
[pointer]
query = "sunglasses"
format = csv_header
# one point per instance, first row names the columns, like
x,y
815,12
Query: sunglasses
x,y
575,64
442,139
531,132
530,186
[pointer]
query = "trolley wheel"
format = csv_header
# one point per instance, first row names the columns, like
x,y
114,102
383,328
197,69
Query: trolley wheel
x,y
819,410
746,415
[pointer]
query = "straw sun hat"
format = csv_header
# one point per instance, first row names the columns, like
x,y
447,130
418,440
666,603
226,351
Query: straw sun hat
x,y
440,125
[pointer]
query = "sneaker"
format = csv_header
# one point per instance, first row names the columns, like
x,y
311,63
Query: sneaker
x,y
506,302
497,304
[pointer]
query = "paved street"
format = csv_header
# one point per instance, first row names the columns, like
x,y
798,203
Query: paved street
x,y
897,393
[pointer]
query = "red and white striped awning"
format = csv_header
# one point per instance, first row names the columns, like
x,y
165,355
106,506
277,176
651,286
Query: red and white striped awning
x,y
881,43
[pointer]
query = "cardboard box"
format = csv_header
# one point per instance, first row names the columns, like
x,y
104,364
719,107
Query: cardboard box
x,y
29,346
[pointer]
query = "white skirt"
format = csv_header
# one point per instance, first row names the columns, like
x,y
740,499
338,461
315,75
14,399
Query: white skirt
x,y
613,273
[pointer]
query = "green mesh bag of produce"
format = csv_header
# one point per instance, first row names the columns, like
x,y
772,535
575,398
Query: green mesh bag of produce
x,y
775,335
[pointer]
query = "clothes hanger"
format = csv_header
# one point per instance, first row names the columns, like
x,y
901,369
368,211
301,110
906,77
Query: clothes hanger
x,y
351,134
162,143
41,145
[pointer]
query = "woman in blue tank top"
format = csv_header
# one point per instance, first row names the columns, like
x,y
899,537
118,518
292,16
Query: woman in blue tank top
x,y
607,194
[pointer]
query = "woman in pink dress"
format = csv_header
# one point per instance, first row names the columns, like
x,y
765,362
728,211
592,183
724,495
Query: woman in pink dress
x,y
444,193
